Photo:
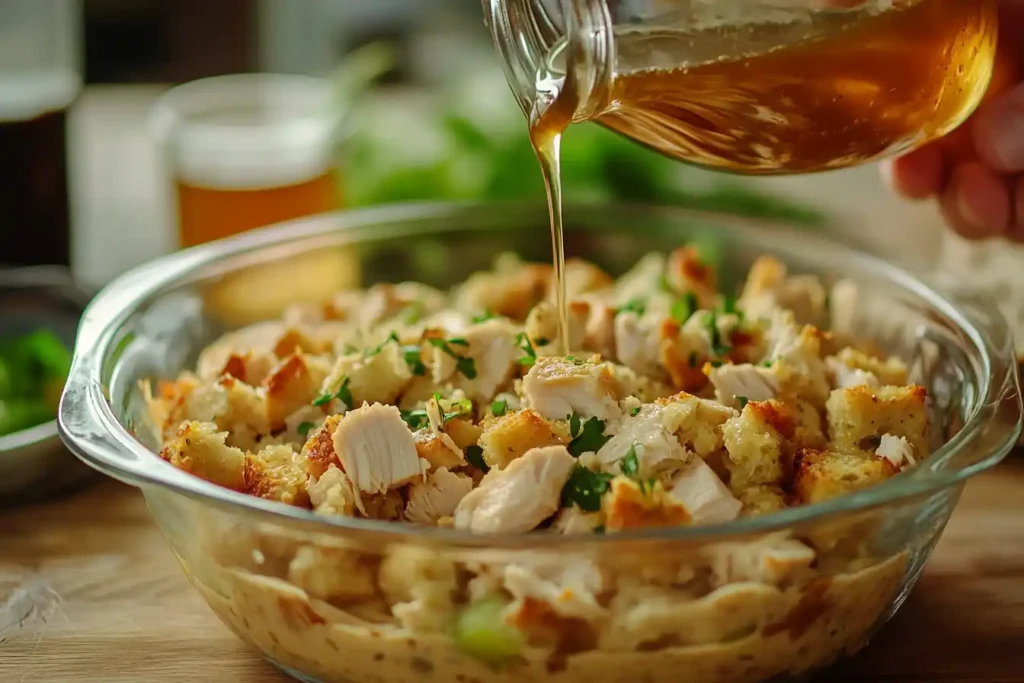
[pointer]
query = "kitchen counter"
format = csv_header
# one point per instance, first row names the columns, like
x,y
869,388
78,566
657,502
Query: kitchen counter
x,y
94,595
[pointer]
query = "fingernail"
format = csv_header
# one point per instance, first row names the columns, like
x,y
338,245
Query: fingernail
x,y
1001,131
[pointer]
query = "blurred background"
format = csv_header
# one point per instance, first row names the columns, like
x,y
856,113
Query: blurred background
x,y
408,138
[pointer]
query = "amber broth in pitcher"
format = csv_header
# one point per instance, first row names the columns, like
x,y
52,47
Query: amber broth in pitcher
x,y
838,90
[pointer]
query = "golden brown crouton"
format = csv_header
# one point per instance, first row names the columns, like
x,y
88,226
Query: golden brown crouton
x,y
319,449
859,416
682,357
686,272
821,475
700,423
627,506
199,449
376,378
338,575
463,432
292,384
437,450
890,371
762,499
756,442
809,431
276,473
509,436
508,292
295,341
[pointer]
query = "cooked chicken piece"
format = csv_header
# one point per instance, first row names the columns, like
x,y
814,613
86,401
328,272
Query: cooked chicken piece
x,y
333,493
376,449
199,449
407,302
650,437
338,575
292,384
844,376
513,434
775,560
821,475
375,378
703,495
582,277
756,444
698,422
891,371
686,272
627,505
592,326
510,291
298,340
570,589
276,473
558,387
795,355
542,329
495,354
637,342
643,279
436,497
746,381
572,520
897,450
519,497
859,416
768,289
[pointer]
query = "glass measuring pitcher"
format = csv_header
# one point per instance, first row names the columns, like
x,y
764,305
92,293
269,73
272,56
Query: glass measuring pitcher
x,y
751,86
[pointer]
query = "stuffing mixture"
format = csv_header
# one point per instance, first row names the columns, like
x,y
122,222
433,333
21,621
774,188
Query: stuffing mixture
x,y
677,406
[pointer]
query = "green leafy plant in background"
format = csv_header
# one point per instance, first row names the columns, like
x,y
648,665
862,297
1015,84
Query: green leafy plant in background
x,y
33,368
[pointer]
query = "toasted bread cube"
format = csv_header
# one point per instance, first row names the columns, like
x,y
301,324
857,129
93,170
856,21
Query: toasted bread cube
x,y
292,384
318,450
700,423
199,449
377,378
628,506
858,417
511,435
437,449
821,475
810,425
762,499
890,371
756,442
277,473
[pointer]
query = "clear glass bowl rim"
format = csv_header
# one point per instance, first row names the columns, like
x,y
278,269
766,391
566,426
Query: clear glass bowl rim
x,y
93,433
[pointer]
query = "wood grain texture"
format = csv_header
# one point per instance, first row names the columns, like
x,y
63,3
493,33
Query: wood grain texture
x,y
90,593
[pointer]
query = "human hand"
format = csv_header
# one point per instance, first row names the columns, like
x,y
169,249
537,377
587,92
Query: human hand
x,y
977,172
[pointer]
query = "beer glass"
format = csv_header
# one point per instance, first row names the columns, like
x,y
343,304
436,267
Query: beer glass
x,y
39,80
248,150
751,86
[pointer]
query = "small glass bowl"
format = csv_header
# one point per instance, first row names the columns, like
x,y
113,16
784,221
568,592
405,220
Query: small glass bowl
x,y
344,599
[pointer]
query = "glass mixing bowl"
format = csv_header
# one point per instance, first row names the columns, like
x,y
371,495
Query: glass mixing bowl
x,y
343,599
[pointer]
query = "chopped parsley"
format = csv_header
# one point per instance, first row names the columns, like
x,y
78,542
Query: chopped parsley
x,y
693,359
416,419
475,457
413,360
413,313
728,305
463,364
718,345
542,341
743,401
633,412
342,394
767,363
483,317
632,306
304,429
630,465
393,337
523,342
585,488
458,408
684,307
587,437
498,408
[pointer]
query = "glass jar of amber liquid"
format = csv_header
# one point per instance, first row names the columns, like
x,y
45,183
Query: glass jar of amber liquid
x,y
751,86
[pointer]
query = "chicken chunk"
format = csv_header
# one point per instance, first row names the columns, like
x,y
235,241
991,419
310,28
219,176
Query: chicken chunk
x,y
889,371
794,352
333,493
376,449
513,434
768,289
821,475
259,338
199,449
844,376
650,437
897,450
436,497
703,495
746,381
698,422
858,417
495,354
558,387
377,377
685,271
519,497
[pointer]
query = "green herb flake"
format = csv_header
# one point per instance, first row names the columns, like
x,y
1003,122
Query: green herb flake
x,y
488,314
304,429
684,307
393,337
585,489
416,419
475,457
498,408
463,364
413,313
589,438
632,306
523,342
542,341
629,464
743,401
693,359
413,360
481,631
718,346
574,425
633,412
342,394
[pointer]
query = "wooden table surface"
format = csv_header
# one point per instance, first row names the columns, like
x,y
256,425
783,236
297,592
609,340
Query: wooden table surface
x,y
89,592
